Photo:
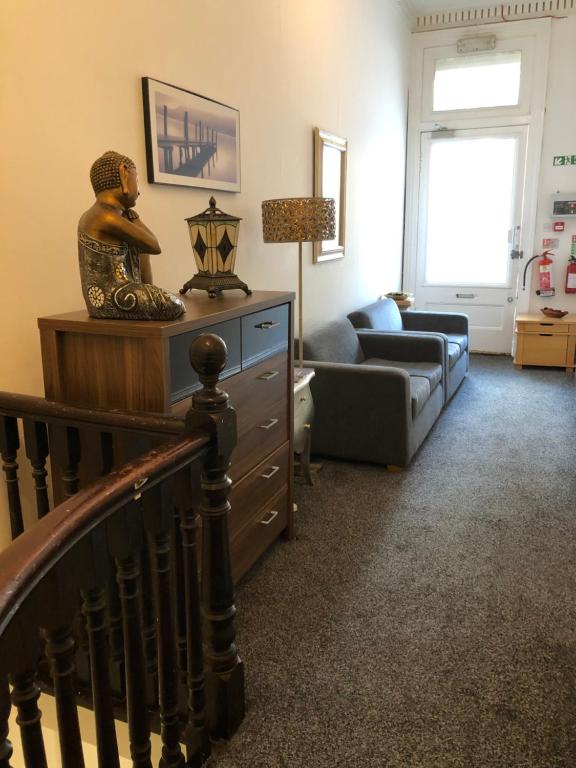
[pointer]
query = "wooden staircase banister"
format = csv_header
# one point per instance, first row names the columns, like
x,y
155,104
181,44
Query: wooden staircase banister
x,y
51,412
104,600
27,560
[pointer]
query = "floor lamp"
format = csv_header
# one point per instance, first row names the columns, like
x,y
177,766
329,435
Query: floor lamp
x,y
299,220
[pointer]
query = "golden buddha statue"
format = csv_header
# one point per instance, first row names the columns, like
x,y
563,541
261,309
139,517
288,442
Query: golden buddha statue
x,y
114,246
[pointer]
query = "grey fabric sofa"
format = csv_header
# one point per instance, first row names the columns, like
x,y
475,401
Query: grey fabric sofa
x,y
452,327
376,397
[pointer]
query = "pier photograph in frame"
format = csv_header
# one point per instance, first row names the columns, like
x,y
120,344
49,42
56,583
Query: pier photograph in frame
x,y
191,140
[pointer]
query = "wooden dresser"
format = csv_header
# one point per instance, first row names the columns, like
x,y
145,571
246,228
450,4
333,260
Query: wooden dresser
x,y
547,341
144,366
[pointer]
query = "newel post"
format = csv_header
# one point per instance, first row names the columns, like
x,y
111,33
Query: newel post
x,y
225,672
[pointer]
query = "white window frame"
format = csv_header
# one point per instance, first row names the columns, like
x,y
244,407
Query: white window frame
x,y
427,46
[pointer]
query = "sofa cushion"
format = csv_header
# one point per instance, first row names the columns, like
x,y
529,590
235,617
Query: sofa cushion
x,y
419,393
382,315
336,342
454,354
430,371
456,338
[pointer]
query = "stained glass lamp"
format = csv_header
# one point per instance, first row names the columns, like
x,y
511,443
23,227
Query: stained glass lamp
x,y
214,235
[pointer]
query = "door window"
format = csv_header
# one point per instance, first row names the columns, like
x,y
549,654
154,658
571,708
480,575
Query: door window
x,y
477,81
471,205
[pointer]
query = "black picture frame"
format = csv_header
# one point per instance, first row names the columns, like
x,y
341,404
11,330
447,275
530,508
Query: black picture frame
x,y
191,140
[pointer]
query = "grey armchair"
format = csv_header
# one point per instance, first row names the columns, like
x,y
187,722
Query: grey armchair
x,y
376,397
452,327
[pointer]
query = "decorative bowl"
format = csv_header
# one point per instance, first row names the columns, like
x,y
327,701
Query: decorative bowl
x,y
549,312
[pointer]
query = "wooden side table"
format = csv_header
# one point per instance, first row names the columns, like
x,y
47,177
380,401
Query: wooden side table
x,y
547,341
303,417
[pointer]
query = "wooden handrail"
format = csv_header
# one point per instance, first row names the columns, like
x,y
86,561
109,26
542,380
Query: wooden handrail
x,y
39,549
102,600
51,412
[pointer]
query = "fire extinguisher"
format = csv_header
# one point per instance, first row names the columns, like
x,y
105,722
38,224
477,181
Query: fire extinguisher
x,y
571,269
545,275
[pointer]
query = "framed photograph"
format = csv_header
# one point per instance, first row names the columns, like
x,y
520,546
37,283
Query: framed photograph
x,y
191,141
330,181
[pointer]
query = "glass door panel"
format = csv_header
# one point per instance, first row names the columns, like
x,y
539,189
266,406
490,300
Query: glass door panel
x,y
468,178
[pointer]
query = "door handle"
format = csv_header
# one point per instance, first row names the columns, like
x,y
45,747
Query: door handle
x,y
268,375
272,471
269,423
267,324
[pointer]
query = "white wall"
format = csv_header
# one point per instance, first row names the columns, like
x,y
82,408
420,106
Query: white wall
x,y
559,139
70,89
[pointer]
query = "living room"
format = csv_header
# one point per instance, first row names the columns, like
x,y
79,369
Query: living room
x,y
71,90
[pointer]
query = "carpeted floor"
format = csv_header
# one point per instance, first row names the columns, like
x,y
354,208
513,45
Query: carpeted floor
x,y
428,618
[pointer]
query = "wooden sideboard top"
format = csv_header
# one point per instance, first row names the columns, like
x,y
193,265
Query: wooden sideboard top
x,y
538,317
201,311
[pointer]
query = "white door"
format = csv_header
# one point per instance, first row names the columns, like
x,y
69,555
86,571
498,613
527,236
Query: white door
x,y
471,195
475,126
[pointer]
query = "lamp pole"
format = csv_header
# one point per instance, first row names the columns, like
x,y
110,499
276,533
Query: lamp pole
x,y
300,333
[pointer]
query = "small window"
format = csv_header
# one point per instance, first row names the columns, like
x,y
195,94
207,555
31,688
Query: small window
x,y
477,81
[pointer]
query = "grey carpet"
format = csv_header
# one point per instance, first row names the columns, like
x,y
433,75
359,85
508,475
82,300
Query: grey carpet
x,y
426,618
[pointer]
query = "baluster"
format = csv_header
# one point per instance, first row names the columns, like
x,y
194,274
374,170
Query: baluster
x,y
60,648
9,444
92,572
25,694
149,633
158,513
36,440
107,452
126,545
5,706
196,736
225,676
94,609
116,638
73,455
180,604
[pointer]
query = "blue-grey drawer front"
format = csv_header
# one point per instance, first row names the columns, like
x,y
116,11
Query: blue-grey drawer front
x,y
264,334
183,378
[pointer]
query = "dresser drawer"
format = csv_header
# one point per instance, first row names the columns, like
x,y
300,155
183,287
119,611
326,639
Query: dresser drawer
x,y
543,349
258,532
264,334
267,433
258,486
257,389
545,326
183,378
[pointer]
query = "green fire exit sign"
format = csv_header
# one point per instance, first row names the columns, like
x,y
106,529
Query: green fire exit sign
x,y
564,160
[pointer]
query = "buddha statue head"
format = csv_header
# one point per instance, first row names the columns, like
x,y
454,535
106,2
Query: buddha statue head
x,y
113,171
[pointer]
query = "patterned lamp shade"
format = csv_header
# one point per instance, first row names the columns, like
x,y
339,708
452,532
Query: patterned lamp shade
x,y
214,235
298,219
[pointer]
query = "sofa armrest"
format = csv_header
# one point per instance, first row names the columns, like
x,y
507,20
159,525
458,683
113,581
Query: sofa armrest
x,y
359,410
365,387
405,347
441,322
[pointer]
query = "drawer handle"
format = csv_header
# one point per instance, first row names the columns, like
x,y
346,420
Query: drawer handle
x,y
545,334
466,295
267,324
547,325
269,423
272,514
269,375
271,473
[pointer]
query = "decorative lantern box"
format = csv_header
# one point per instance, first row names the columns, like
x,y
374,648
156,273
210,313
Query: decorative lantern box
x,y
214,235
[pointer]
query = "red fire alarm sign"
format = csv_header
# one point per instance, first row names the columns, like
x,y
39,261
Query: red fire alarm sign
x,y
558,226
